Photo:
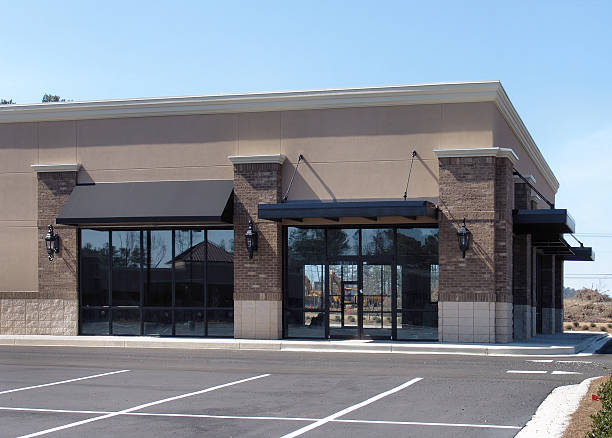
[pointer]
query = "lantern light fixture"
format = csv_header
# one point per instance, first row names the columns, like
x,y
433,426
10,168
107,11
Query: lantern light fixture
x,y
464,235
52,243
251,239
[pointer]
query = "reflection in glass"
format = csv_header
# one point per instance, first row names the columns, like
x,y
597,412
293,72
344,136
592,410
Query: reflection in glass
x,y
158,268
189,265
126,321
342,242
157,322
148,261
306,282
417,283
94,268
220,268
126,268
221,322
377,242
94,321
343,299
189,322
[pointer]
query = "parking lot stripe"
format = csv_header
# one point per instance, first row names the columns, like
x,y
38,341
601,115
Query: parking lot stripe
x,y
345,411
526,372
139,407
418,423
61,382
565,372
264,418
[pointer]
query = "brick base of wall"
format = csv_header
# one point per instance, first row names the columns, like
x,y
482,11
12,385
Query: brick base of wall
x,y
38,316
258,319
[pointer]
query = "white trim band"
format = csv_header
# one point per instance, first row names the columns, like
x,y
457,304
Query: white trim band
x,y
257,159
477,152
65,167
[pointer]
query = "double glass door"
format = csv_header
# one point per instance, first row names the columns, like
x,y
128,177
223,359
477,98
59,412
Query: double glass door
x,y
360,298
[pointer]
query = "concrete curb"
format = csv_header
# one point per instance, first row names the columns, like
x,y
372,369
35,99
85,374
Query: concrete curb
x,y
587,346
552,416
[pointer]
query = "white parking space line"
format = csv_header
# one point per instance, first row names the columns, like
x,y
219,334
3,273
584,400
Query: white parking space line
x,y
139,407
264,418
540,360
574,361
345,411
417,423
565,372
526,372
61,382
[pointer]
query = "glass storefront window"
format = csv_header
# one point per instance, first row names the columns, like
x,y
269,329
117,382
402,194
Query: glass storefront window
x,y
157,281
385,288
127,261
94,268
189,266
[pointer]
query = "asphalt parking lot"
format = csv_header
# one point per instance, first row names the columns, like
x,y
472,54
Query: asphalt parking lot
x,y
82,392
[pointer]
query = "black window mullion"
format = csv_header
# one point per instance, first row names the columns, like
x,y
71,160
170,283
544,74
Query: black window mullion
x,y
173,283
110,282
205,277
394,291
79,283
326,293
142,264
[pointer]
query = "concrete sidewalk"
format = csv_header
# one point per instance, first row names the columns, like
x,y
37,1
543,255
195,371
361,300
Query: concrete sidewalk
x,y
542,345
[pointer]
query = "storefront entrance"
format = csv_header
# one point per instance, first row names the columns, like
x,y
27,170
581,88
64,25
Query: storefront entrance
x,y
361,283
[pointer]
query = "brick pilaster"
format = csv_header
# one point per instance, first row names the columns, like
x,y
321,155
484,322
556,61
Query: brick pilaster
x,y
257,281
476,291
55,311
521,272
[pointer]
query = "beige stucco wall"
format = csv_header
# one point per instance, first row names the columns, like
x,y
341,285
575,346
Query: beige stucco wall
x,y
505,138
18,247
349,153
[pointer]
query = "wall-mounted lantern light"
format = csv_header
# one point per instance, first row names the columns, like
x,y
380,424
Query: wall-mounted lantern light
x,y
52,242
251,239
464,235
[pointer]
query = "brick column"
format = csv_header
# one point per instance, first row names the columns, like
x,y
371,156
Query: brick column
x,y
475,299
521,269
258,281
55,310
558,303
547,285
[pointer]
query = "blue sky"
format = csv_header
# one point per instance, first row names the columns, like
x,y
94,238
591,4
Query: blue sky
x,y
554,59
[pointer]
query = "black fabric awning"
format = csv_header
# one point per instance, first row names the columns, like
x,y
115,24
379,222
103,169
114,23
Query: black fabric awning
x,y
297,210
150,203
551,222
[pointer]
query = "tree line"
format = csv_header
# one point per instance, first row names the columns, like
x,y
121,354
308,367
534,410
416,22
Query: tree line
x,y
47,98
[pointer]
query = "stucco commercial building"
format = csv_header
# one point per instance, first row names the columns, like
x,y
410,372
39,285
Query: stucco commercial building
x,y
315,214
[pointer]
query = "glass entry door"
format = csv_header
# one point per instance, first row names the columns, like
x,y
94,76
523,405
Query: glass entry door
x,y
360,300
344,300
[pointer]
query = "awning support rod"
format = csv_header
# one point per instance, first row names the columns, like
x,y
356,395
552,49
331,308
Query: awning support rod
x,y
574,237
286,195
550,204
409,173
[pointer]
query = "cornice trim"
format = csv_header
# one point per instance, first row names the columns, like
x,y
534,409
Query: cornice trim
x,y
477,152
64,167
257,159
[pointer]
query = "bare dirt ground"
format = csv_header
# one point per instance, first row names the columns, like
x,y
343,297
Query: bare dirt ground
x,y
580,422
588,310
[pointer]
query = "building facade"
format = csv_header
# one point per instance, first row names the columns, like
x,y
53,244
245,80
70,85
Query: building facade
x,y
355,198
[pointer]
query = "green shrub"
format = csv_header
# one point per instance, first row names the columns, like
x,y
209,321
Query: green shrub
x,y
603,329
609,325
602,421
575,323
593,324
568,327
585,327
